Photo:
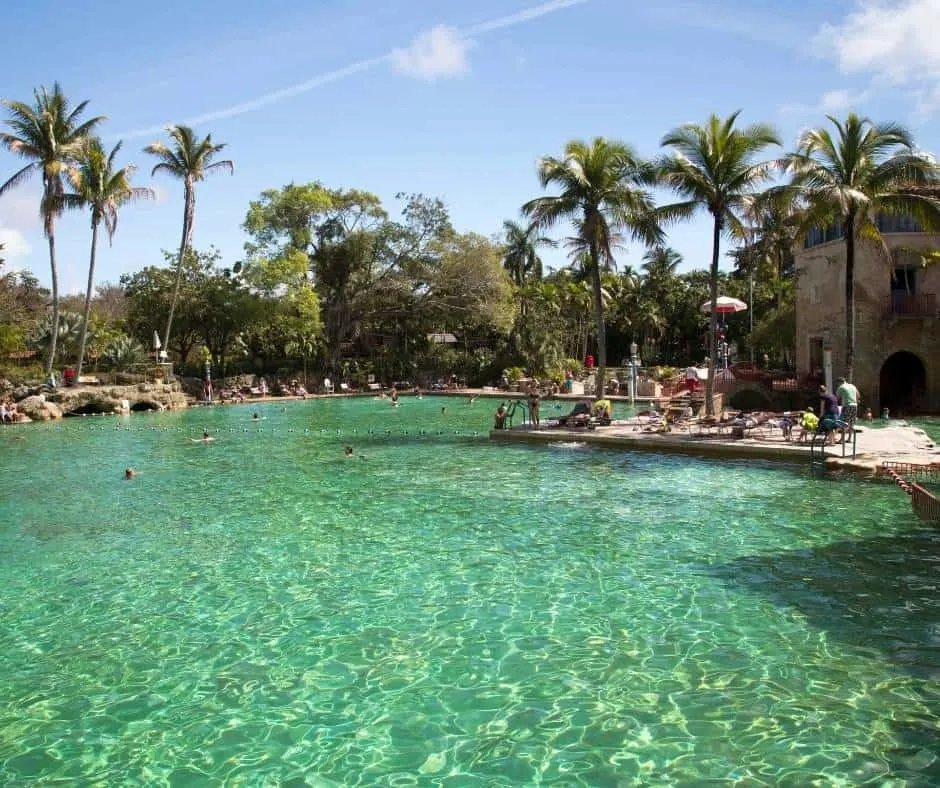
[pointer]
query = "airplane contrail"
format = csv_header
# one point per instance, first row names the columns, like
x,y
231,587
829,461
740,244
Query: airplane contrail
x,y
250,105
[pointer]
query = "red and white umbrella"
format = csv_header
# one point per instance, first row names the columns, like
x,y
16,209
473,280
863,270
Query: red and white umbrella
x,y
725,305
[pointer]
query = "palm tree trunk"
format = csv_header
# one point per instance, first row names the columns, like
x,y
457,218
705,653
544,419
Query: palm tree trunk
x,y
189,210
50,353
91,280
601,374
850,298
713,322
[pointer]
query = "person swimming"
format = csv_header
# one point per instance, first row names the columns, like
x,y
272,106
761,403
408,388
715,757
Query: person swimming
x,y
348,452
129,473
206,438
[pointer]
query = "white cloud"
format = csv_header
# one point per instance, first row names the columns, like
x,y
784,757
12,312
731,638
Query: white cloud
x,y
452,39
832,102
891,41
14,245
19,209
438,52
838,102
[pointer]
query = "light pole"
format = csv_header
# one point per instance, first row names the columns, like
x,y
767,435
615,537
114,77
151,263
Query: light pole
x,y
634,363
750,309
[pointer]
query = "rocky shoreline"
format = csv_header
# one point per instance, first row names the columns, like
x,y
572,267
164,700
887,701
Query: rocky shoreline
x,y
41,403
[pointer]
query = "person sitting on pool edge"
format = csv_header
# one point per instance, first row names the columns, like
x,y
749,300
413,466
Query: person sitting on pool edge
x,y
499,420
602,411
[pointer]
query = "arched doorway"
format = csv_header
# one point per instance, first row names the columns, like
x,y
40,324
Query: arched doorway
x,y
903,383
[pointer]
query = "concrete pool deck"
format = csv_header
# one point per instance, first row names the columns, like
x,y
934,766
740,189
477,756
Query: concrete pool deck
x,y
900,443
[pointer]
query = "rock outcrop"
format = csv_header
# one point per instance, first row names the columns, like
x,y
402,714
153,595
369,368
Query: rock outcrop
x,y
37,408
101,399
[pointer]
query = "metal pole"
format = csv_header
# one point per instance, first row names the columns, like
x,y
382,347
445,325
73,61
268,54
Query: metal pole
x,y
750,306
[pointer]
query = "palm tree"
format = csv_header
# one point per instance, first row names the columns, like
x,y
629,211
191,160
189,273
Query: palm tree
x,y
660,263
49,135
714,167
520,256
601,195
190,160
849,179
96,184
768,232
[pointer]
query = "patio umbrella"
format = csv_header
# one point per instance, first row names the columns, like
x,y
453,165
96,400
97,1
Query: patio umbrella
x,y
725,305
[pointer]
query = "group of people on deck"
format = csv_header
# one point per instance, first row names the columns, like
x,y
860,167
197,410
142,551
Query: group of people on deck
x,y
838,411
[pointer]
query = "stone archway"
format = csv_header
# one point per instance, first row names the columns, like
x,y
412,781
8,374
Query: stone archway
x,y
903,383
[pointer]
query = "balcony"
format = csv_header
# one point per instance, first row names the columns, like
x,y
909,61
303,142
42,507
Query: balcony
x,y
906,305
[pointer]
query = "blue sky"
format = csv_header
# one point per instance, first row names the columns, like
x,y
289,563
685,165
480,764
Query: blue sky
x,y
456,99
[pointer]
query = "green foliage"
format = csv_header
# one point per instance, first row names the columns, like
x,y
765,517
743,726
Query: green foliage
x,y
601,192
49,135
126,352
188,159
715,167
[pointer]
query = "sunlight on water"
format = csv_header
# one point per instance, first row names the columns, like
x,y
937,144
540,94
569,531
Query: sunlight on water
x,y
444,610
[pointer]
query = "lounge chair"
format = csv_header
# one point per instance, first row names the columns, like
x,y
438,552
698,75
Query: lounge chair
x,y
580,416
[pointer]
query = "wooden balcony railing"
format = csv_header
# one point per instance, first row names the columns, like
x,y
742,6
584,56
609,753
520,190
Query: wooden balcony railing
x,y
905,305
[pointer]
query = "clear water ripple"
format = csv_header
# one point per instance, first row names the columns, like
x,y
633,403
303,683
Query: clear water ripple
x,y
448,611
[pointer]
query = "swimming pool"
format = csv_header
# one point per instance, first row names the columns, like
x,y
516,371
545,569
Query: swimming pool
x,y
441,609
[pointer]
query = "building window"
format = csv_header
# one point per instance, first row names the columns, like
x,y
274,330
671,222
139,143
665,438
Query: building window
x,y
904,281
885,223
823,235
815,355
897,224
814,294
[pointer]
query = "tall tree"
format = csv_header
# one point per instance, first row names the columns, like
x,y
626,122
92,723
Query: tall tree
x,y
768,233
49,135
98,185
867,169
714,166
190,160
521,252
602,195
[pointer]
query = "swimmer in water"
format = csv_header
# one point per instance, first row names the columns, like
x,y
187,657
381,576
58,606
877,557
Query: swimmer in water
x,y
129,473
348,452
206,438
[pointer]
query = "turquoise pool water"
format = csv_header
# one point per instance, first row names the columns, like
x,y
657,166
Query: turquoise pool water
x,y
449,611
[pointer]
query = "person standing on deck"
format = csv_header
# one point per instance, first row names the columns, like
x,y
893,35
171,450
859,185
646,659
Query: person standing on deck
x,y
849,398
534,403
828,405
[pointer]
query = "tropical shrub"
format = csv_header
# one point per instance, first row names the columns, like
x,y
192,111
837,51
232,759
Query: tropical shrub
x,y
126,352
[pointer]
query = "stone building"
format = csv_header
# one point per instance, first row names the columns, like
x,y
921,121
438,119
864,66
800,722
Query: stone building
x,y
897,334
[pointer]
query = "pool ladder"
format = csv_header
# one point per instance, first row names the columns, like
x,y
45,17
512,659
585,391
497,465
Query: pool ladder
x,y
817,447
517,404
